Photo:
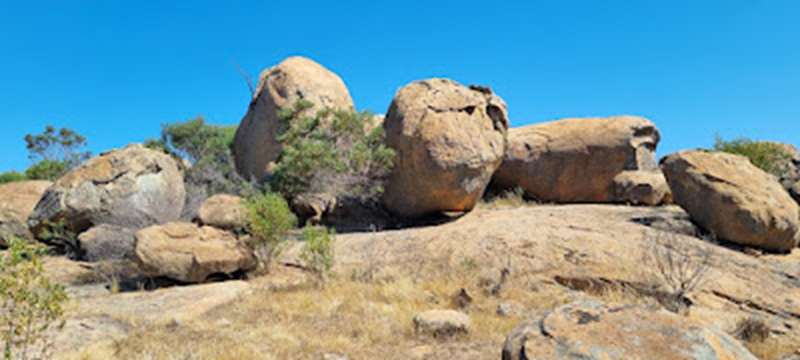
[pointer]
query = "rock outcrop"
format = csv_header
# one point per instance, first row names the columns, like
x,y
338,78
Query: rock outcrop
x,y
188,253
591,330
727,195
576,160
223,212
17,201
106,242
449,140
132,187
256,146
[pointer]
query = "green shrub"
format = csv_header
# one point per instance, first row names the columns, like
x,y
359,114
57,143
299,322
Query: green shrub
x,y
11,176
47,170
269,221
195,140
768,156
318,252
331,152
30,304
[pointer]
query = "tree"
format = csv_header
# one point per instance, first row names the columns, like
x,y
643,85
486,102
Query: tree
x,y
208,148
332,152
54,152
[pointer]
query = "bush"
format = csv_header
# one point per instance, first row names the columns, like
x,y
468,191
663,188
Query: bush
x,y
30,304
751,329
676,266
208,148
47,170
269,221
768,156
331,152
318,253
11,176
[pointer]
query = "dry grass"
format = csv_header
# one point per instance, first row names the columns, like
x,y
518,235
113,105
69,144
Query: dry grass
x,y
361,319
511,198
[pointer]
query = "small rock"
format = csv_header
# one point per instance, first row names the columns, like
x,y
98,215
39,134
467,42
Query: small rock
x,y
333,356
441,323
223,211
508,309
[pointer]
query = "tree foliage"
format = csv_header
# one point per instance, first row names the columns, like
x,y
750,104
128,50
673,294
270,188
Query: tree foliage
x,y
768,156
54,152
30,304
331,152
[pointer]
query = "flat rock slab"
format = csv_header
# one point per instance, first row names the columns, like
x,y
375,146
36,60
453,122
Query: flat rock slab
x,y
100,320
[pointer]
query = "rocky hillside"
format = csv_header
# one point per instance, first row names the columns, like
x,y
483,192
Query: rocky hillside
x,y
558,240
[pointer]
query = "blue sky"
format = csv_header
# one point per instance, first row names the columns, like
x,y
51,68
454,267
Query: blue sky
x,y
116,70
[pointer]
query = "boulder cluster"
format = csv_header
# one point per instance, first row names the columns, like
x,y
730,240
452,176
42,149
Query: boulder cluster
x,y
452,143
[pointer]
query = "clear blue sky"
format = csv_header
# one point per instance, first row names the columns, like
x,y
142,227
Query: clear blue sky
x,y
115,70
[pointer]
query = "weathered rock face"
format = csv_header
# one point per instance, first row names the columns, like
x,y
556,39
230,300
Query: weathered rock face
x,y
132,187
187,253
790,171
449,140
737,201
106,242
256,146
576,160
591,330
224,212
17,200
642,188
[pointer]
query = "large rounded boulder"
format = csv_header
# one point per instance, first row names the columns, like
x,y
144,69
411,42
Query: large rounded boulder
x,y
592,331
256,146
191,254
449,140
17,200
133,187
729,196
577,160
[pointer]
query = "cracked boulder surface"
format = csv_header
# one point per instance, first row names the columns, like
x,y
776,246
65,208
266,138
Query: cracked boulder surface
x,y
577,159
592,330
449,140
256,146
729,196
133,187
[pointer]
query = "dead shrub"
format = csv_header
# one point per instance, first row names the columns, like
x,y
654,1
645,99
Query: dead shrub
x,y
675,266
